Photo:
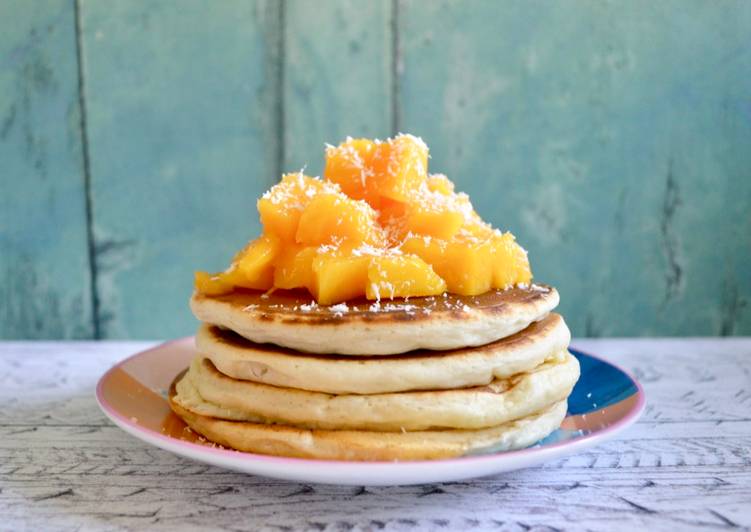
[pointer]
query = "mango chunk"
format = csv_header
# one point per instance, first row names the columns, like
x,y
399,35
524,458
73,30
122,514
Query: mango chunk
x,y
400,167
373,170
281,207
467,268
339,277
402,276
254,266
440,224
441,184
333,218
510,265
264,280
439,213
438,219
392,216
463,262
350,166
212,284
475,227
294,268
429,249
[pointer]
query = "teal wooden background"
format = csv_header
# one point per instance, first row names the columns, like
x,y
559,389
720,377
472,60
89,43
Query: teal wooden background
x,y
614,138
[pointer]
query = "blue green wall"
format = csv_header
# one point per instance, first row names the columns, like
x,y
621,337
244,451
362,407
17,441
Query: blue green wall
x,y
614,138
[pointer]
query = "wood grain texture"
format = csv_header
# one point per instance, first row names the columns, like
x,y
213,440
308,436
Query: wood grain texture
x,y
685,466
45,287
337,76
181,101
612,138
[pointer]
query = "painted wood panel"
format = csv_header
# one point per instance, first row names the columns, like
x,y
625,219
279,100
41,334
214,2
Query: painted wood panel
x,y
337,76
612,138
182,110
44,266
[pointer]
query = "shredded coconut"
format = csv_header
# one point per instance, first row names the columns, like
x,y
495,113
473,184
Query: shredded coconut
x,y
339,309
307,308
377,291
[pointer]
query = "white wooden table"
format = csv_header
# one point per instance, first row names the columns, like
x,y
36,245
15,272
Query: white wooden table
x,y
685,466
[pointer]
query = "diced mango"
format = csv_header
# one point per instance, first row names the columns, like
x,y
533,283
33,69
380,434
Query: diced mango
x,y
400,167
371,170
331,218
428,212
264,279
510,264
467,268
391,216
429,249
251,268
463,262
378,225
281,207
254,266
391,210
440,213
350,166
339,276
475,227
441,184
427,219
212,284
294,268
391,276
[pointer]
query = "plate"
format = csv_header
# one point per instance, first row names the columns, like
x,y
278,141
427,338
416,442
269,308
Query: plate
x,y
133,395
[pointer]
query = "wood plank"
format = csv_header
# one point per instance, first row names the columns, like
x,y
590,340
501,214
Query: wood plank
x,y
44,269
337,76
102,476
181,103
63,466
611,138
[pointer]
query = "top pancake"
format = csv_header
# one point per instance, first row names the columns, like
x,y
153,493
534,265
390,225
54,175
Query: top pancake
x,y
291,320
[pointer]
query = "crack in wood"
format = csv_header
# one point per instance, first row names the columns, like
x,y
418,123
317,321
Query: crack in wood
x,y
639,507
727,522
671,203
56,495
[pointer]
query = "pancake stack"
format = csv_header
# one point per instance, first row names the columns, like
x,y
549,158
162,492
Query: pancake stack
x,y
416,379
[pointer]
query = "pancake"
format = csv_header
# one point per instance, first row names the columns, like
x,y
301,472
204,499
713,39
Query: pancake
x,y
206,391
282,440
290,319
239,358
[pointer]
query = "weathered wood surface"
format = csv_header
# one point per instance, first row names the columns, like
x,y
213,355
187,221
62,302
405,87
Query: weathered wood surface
x,y
180,107
685,466
612,137
45,286
337,76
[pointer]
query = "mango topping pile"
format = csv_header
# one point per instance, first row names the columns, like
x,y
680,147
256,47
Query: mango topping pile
x,y
377,225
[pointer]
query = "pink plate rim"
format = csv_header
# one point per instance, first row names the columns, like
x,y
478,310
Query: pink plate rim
x,y
541,451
